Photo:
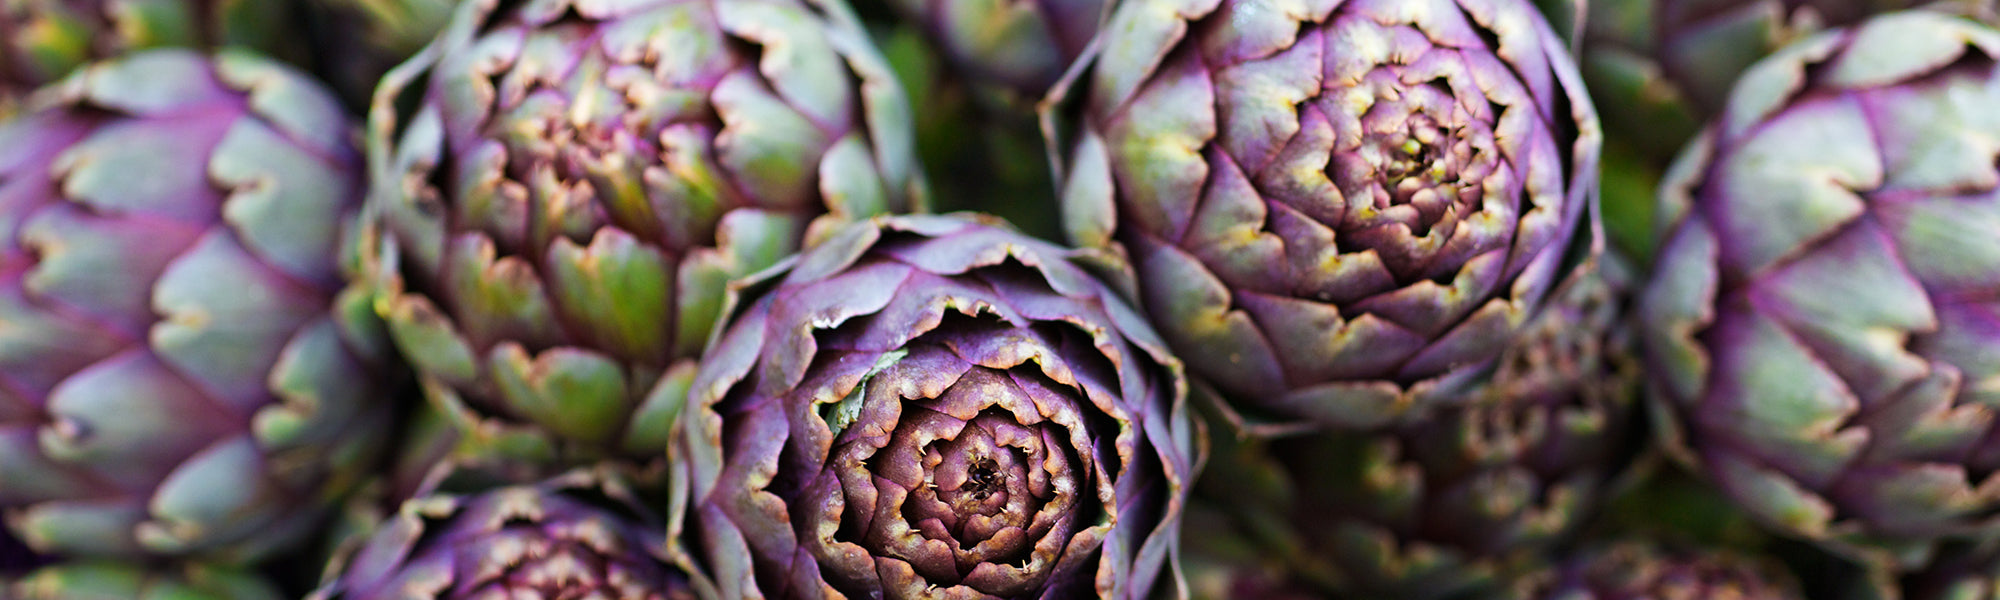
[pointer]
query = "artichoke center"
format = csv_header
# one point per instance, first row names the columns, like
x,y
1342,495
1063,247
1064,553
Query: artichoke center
x,y
1414,154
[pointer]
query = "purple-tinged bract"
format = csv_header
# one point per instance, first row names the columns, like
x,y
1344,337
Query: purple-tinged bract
x,y
1337,211
1635,571
1822,318
186,371
41,41
937,407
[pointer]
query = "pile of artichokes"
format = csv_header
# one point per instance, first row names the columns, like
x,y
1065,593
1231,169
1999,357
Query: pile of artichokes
x,y
1000,299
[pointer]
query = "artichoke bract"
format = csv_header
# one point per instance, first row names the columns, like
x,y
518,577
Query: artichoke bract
x,y
1637,571
571,184
1822,316
937,407
1342,211
126,581
188,373
43,40
1009,49
582,534
1457,503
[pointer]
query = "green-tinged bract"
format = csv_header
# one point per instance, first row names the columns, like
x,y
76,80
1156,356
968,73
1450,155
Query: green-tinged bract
x,y
187,372
1821,320
937,407
43,40
1009,51
126,581
1340,212
564,188
582,534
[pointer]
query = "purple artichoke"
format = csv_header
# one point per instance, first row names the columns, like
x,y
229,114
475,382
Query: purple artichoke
x,y
186,371
570,185
1822,316
937,407
1634,571
579,535
1340,211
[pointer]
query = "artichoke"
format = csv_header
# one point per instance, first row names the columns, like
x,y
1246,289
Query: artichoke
x,y
1822,316
1340,211
123,581
582,534
570,184
188,372
1009,50
936,407
1635,571
43,40
1454,504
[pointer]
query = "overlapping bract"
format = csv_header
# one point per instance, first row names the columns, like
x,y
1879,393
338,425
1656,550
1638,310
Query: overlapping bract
x,y
1636,571
185,372
1458,503
113,580
1013,49
578,180
43,40
937,407
582,534
1822,316
1340,211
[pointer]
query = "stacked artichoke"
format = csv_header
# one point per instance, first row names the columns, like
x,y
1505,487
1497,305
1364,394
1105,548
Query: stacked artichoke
x,y
442,299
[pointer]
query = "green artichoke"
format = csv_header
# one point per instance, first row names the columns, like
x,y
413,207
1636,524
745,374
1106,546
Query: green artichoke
x,y
43,40
1636,571
1341,212
188,374
1010,51
356,41
569,185
583,534
1822,316
937,407
124,581
1454,504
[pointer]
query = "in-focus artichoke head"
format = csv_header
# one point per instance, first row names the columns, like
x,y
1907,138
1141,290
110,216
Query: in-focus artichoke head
x,y
566,187
43,40
1008,51
1457,504
582,534
188,373
942,407
124,581
1633,570
1342,212
1822,316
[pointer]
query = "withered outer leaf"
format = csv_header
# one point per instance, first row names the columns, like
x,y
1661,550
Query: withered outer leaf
x,y
563,188
937,407
1342,211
